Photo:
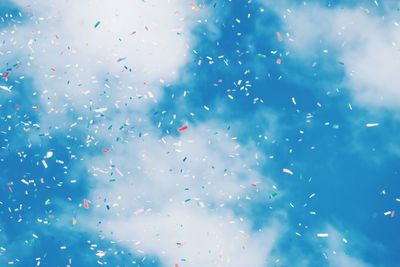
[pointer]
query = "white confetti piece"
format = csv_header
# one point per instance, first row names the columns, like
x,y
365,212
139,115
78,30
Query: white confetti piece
x,y
49,154
322,235
45,164
285,170
5,88
100,110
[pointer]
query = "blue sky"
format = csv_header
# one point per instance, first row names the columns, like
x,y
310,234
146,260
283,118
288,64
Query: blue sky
x,y
290,155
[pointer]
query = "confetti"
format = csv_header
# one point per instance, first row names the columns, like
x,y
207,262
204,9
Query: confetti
x,y
86,203
183,128
287,171
323,235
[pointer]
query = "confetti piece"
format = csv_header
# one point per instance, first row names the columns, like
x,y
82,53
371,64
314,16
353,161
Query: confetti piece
x,y
100,110
44,164
372,124
278,61
183,128
287,171
49,154
279,36
323,235
97,24
5,88
101,253
86,203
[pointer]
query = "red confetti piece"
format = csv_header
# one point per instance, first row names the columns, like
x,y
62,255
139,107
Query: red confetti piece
x,y
278,61
106,150
86,203
183,128
6,75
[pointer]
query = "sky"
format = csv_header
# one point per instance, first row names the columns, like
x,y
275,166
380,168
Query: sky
x,y
182,133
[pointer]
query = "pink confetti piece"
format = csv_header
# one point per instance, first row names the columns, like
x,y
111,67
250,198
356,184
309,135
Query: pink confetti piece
x,y
279,36
278,61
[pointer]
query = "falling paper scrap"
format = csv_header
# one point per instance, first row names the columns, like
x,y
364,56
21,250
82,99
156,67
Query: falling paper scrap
x,y
100,110
322,235
287,171
5,88
183,128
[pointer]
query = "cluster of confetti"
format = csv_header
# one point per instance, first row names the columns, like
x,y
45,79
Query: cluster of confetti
x,y
198,133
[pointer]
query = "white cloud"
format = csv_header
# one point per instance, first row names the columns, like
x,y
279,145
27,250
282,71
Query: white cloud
x,y
138,47
366,43
195,235
184,190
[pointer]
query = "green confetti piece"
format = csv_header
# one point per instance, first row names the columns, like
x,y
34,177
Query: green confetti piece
x,y
97,24
261,56
273,194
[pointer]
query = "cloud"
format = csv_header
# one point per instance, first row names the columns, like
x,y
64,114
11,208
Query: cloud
x,y
187,190
369,60
194,237
83,57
